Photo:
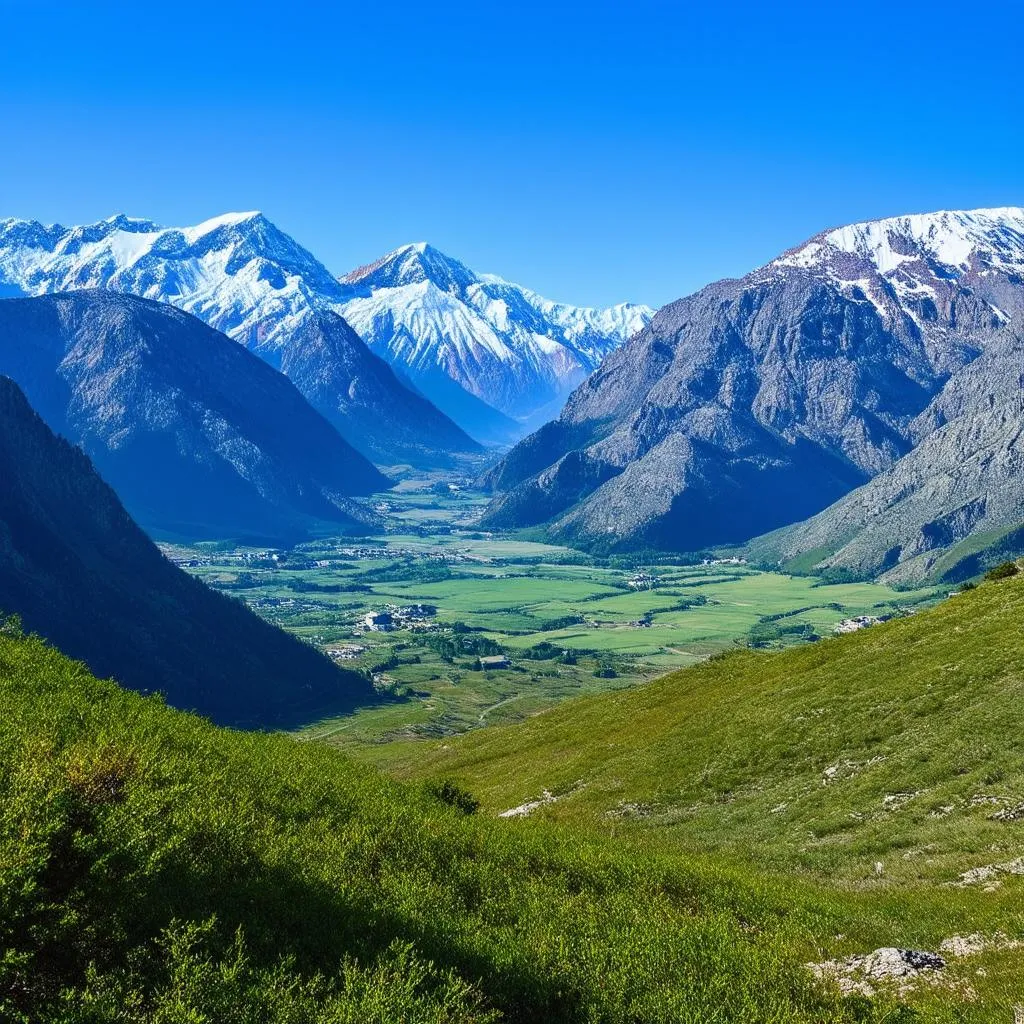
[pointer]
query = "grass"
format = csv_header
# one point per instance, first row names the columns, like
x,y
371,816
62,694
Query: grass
x,y
154,868
787,758
878,767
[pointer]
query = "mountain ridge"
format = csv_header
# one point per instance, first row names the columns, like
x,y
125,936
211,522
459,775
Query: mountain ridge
x,y
499,341
245,277
79,571
471,345
197,434
740,389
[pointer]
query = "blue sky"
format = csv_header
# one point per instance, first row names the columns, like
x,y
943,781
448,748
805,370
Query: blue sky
x,y
593,151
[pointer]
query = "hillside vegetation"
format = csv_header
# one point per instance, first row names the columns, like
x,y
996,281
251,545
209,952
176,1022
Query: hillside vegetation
x,y
156,868
821,758
885,768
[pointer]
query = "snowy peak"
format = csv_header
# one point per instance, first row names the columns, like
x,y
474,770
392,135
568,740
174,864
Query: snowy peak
x,y
952,240
433,317
413,264
470,341
239,272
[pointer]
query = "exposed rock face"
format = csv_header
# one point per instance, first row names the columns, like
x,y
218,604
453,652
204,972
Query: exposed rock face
x,y
79,572
244,276
197,435
888,966
963,479
757,402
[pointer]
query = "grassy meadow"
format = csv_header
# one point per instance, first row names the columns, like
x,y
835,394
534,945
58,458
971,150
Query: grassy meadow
x,y
570,624
883,771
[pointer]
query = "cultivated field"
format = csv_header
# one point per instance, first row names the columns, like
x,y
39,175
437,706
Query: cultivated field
x,y
568,624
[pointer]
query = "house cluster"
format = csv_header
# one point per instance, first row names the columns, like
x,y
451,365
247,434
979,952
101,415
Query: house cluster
x,y
191,563
347,652
724,561
399,617
643,581
857,622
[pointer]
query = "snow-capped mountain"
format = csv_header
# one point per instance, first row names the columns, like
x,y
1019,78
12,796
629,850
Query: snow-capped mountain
x,y
247,278
760,401
913,264
238,272
439,322
488,352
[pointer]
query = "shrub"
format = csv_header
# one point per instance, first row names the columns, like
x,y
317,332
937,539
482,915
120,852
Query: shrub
x,y
454,796
1003,571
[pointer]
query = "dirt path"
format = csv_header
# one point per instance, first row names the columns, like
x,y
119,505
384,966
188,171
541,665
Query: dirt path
x,y
500,704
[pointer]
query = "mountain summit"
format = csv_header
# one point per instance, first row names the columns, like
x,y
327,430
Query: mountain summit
x,y
756,402
245,277
442,324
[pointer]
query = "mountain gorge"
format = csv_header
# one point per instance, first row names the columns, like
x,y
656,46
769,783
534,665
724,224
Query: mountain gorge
x,y
196,434
758,402
77,570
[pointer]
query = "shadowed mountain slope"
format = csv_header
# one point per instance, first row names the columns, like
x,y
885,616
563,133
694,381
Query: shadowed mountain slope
x,y
77,570
196,434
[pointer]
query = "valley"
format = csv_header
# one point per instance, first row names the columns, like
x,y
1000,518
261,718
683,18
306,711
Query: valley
x,y
422,606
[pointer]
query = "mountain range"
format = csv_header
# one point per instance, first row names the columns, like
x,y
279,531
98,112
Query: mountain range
x,y
761,401
489,353
197,435
77,570
498,342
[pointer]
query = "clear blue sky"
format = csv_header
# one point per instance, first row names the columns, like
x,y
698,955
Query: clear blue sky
x,y
593,151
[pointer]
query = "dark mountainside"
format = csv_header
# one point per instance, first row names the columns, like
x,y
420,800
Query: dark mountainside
x,y
758,402
77,570
197,435
364,399
242,275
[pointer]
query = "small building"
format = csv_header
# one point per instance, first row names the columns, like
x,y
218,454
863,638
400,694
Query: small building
x,y
378,622
494,661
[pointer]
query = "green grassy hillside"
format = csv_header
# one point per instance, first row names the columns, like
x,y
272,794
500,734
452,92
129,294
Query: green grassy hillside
x,y
156,868
878,767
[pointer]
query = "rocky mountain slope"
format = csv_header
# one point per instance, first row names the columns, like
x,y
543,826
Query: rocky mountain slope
x,y
964,480
757,402
441,323
242,275
78,571
196,434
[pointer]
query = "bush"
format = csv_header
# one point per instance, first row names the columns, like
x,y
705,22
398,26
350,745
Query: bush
x,y
454,796
1003,572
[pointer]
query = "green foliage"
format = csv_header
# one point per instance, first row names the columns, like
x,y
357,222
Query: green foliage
x,y
1003,571
154,868
454,796
458,641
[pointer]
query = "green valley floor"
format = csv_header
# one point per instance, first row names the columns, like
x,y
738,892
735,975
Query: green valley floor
x,y
568,624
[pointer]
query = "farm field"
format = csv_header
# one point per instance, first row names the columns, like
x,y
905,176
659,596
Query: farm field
x,y
566,623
